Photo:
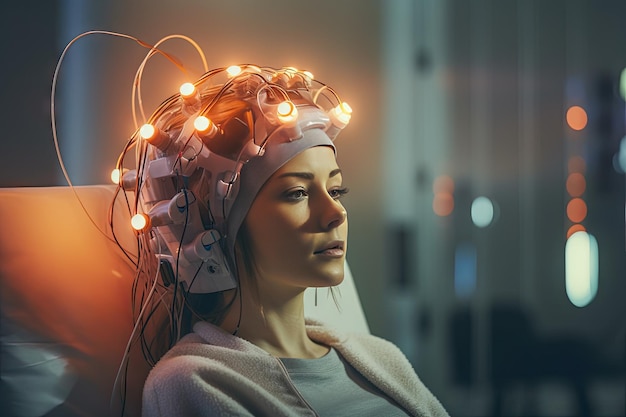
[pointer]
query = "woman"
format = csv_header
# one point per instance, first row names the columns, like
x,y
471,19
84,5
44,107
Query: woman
x,y
239,191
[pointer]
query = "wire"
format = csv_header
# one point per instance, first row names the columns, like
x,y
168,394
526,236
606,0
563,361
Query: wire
x,y
136,90
153,50
55,78
125,357
176,329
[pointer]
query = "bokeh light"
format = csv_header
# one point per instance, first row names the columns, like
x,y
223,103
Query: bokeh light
x,y
622,84
581,268
575,228
443,204
443,199
576,118
576,184
576,164
443,183
482,211
576,210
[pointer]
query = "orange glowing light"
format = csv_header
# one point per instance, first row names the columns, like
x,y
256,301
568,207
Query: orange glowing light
x,y
575,228
443,183
576,164
147,131
345,108
285,109
187,89
116,176
286,112
576,210
139,221
576,184
201,123
576,118
234,70
443,204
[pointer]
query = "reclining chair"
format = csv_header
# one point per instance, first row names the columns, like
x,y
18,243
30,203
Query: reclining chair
x,y
65,304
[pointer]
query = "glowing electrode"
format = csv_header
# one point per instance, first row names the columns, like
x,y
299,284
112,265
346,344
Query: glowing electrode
x,y
116,176
233,70
139,221
187,89
205,127
286,111
147,131
343,113
201,123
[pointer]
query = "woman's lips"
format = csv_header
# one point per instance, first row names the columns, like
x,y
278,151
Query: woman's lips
x,y
334,249
335,252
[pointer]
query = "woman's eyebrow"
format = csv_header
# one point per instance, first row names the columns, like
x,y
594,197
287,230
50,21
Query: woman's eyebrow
x,y
303,175
334,172
308,175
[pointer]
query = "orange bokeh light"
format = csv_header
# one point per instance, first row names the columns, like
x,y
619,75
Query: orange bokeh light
x,y
576,118
443,183
443,200
443,204
576,210
575,228
576,184
576,164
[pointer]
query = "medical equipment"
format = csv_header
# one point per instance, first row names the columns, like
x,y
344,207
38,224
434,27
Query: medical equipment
x,y
189,157
190,152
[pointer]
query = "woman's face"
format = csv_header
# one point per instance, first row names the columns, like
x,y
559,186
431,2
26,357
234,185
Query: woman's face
x,y
297,226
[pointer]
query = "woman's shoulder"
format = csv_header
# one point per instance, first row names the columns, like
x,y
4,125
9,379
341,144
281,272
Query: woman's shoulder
x,y
197,364
208,340
200,373
192,379
331,336
209,348
190,356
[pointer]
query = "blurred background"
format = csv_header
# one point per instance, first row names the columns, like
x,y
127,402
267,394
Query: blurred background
x,y
485,158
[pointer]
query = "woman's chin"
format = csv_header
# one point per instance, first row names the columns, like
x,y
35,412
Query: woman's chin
x,y
333,276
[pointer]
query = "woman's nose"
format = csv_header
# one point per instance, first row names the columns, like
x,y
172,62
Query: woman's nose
x,y
334,214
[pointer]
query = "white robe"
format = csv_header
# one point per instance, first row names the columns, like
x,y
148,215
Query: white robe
x,y
213,373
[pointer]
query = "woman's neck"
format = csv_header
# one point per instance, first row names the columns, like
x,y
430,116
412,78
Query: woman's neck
x,y
276,324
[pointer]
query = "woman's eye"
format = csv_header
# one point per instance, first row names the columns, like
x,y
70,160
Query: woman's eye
x,y
296,195
337,193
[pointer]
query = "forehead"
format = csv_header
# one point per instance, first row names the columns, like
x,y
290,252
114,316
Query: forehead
x,y
318,159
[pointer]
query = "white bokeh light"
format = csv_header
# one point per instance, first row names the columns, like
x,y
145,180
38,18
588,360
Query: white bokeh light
x,y
621,156
482,211
581,268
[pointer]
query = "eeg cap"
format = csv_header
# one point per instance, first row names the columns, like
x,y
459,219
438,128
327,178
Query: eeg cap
x,y
205,153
